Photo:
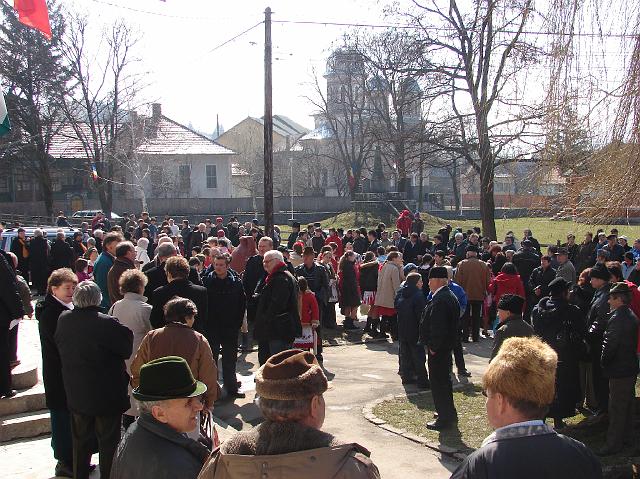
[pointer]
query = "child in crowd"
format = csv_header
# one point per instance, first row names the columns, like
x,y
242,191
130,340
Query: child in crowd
x,y
82,270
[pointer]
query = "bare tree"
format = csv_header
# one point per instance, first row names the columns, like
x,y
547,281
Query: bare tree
x,y
104,84
480,47
345,114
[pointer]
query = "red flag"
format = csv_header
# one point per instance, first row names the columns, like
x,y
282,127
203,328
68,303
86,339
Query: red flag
x,y
33,13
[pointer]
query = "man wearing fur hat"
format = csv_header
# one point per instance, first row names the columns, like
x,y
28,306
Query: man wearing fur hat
x,y
519,386
439,333
289,443
510,323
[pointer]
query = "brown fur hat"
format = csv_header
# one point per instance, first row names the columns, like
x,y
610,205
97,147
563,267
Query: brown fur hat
x,y
523,370
291,375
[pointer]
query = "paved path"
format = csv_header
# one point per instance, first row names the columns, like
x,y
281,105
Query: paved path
x,y
359,373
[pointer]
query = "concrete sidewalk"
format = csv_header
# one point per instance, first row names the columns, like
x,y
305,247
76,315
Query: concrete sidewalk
x,y
359,373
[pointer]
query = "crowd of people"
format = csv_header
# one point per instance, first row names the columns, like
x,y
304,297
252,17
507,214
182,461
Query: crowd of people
x,y
157,305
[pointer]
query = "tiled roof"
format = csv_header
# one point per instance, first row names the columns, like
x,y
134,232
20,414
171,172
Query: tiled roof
x,y
172,138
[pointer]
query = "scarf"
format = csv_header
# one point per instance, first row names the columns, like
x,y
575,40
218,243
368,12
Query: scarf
x,y
23,245
279,265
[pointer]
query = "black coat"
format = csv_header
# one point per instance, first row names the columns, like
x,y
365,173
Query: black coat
x,y
542,278
349,288
581,296
409,303
253,275
549,455
61,255
185,289
411,252
227,305
620,344
10,302
586,256
151,449
158,277
360,245
526,260
39,262
561,325
93,347
317,279
439,323
597,319
277,313
512,327
47,314
369,276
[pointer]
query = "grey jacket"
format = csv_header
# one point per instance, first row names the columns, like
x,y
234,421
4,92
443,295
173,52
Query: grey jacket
x,y
153,450
567,271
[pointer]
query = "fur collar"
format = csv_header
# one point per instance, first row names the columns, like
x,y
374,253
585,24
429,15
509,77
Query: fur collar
x,y
272,438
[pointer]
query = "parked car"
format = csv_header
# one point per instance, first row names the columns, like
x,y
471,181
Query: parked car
x,y
87,215
49,231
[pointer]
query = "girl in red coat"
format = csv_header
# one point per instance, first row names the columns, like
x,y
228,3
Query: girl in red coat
x,y
309,311
507,281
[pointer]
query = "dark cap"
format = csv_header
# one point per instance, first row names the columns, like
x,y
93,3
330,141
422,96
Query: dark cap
x,y
512,303
558,285
526,243
600,271
291,375
167,378
620,288
562,251
612,237
296,224
472,248
438,272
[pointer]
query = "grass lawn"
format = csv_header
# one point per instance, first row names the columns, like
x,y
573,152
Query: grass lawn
x,y
545,230
412,414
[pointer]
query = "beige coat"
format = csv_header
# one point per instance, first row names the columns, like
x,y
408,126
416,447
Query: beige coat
x,y
286,450
179,340
389,279
474,276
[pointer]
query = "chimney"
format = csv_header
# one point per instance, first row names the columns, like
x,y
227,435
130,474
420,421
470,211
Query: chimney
x,y
156,111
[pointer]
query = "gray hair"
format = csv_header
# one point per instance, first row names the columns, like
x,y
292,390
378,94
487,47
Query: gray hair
x,y
266,239
166,250
37,233
274,254
281,410
60,235
459,235
146,406
98,233
87,294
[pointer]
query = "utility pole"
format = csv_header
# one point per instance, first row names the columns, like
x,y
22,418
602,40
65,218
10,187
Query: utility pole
x,y
268,128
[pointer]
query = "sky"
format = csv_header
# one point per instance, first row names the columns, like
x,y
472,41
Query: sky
x,y
194,84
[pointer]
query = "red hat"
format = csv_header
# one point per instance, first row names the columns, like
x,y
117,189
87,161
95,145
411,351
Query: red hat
x,y
220,234
219,219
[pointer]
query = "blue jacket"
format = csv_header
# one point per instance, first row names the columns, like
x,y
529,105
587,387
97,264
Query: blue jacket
x,y
409,303
100,271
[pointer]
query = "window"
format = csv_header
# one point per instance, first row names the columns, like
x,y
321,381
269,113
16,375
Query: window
x,y
212,178
184,177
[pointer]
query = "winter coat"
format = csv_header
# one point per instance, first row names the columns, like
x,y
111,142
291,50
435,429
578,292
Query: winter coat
x,y
459,252
561,325
506,283
93,348
360,245
295,259
586,256
277,312
567,271
390,276
620,344
20,248
317,279
185,289
100,275
403,223
417,226
178,339
288,450
61,255
581,296
439,322
133,311
348,285
158,277
369,276
519,452
150,449
474,277
309,311
411,252
120,265
542,278
597,319
47,313
240,255
513,327
616,253
409,303
526,260
142,255
226,305
39,262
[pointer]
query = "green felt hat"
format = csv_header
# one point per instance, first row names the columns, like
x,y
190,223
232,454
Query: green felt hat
x,y
167,378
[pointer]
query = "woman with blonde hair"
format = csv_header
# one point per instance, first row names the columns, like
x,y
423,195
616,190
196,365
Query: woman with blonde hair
x,y
390,277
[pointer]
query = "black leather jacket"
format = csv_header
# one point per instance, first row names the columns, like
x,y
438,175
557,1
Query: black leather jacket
x,y
620,344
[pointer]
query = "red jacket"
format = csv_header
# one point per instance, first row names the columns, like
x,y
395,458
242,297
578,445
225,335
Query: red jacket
x,y
335,239
504,284
403,223
309,311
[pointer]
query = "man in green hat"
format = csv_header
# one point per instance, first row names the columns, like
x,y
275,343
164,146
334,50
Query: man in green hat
x,y
156,446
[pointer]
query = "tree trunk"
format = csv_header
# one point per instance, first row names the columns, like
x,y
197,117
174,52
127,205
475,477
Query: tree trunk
x,y
456,190
44,178
487,201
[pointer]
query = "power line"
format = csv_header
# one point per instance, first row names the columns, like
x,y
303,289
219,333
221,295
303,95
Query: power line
x,y
450,29
158,14
235,37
